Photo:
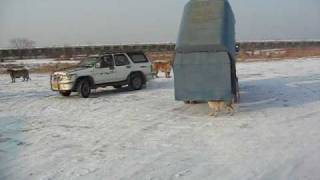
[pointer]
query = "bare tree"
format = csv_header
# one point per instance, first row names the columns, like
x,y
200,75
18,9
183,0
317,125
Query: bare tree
x,y
21,44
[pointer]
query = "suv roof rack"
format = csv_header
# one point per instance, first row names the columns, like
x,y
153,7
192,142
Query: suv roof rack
x,y
118,51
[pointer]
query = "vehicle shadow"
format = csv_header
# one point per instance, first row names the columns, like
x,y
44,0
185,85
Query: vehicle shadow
x,y
109,92
161,83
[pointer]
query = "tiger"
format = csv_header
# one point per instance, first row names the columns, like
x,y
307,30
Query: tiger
x,y
217,106
162,66
18,73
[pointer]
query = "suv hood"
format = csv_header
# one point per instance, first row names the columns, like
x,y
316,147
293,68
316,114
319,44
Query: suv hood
x,y
70,71
75,69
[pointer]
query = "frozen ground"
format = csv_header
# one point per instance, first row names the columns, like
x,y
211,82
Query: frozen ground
x,y
147,135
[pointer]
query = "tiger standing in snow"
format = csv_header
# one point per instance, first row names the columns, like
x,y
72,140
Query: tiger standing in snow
x,y
163,66
18,73
218,106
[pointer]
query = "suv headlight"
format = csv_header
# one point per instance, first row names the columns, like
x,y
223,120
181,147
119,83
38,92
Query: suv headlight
x,y
68,77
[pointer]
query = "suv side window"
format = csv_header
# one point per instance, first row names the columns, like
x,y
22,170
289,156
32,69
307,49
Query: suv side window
x,y
138,57
121,60
107,61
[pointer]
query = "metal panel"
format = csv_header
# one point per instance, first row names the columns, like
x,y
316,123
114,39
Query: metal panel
x,y
207,23
202,76
204,67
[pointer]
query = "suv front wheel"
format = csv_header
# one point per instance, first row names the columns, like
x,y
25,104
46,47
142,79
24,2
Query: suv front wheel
x,y
84,88
136,82
65,93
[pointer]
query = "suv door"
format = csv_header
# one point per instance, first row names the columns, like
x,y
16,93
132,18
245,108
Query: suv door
x,y
123,67
104,71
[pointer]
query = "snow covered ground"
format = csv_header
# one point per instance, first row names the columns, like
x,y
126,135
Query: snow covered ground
x,y
117,134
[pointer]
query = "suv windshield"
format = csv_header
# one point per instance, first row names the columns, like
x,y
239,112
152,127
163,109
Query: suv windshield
x,y
89,62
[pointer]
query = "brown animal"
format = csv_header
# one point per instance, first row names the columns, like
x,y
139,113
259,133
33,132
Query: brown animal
x,y
163,66
218,106
18,73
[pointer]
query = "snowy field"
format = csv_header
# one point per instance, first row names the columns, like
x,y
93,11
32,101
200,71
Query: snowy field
x,y
34,63
117,134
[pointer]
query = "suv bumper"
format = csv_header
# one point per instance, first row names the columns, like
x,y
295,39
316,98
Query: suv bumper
x,y
56,86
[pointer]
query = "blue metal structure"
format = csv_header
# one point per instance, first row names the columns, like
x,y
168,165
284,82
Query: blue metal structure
x,y
204,66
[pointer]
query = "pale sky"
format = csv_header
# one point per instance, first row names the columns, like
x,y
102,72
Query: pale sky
x,y
82,22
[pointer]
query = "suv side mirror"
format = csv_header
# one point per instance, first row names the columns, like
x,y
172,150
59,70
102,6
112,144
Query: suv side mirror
x,y
237,48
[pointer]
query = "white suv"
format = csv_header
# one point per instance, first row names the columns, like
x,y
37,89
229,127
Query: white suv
x,y
117,69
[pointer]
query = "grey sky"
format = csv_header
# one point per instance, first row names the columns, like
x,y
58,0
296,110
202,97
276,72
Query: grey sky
x,y
75,22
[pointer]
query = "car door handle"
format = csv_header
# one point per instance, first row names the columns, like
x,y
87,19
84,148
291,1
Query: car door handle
x,y
143,66
128,67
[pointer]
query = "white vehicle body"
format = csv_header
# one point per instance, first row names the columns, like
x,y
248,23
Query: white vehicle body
x,y
117,69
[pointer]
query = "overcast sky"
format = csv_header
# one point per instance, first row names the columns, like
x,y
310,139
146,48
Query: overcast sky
x,y
81,22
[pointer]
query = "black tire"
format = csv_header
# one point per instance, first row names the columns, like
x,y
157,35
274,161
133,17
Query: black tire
x,y
136,82
84,88
117,87
65,93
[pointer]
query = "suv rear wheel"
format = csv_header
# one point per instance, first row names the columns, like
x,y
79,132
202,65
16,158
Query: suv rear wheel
x,y
84,88
136,82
